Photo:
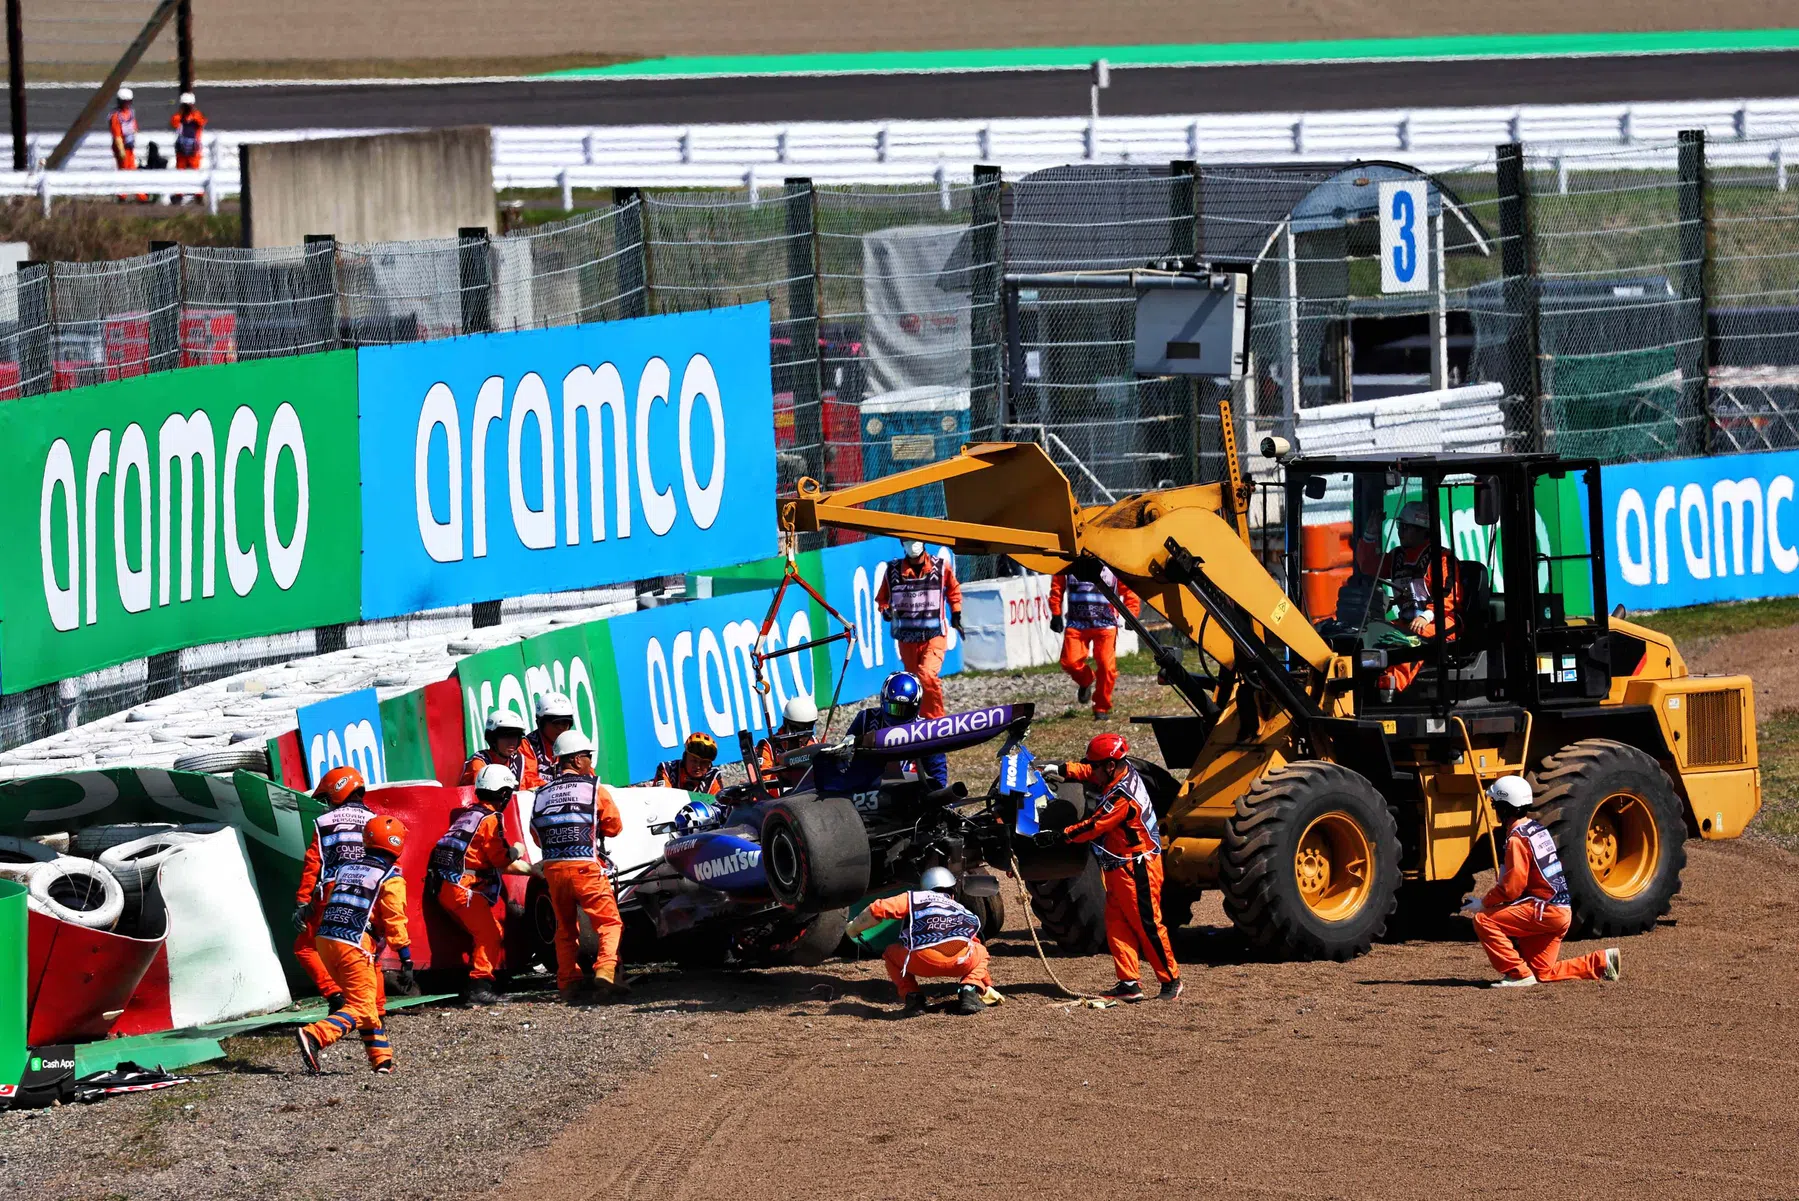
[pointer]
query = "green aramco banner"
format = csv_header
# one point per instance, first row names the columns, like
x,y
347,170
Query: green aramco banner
x,y
175,509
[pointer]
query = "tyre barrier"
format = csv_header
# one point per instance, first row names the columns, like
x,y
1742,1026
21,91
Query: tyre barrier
x,y
135,864
91,842
77,891
247,756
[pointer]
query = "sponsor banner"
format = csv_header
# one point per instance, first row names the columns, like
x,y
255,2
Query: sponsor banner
x,y
1008,625
566,458
951,732
682,668
406,737
493,679
176,509
1692,531
852,576
561,661
344,731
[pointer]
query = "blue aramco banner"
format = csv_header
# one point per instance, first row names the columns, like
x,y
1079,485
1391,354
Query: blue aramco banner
x,y
688,667
565,458
1692,531
852,576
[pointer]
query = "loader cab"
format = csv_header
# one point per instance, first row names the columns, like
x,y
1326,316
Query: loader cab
x,y
1456,581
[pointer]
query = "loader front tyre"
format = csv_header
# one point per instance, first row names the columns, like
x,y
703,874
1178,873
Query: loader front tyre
x,y
1311,863
1618,826
1072,911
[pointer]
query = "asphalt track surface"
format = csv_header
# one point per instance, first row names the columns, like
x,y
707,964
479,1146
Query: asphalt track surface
x,y
988,94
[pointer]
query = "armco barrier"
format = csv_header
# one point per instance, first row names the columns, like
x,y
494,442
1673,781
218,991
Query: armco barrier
x,y
674,469
176,509
1692,531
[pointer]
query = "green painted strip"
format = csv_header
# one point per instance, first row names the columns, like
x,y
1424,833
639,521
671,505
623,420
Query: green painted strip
x,y
1054,58
12,981
169,1051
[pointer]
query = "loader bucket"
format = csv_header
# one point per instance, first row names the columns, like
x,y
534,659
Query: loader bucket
x,y
1001,497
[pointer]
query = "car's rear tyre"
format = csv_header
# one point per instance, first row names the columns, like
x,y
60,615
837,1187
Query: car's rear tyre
x,y
1618,827
815,853
991,910
1310,863
1072,911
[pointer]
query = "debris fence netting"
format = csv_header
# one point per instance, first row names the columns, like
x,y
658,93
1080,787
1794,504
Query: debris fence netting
x,y
1602,304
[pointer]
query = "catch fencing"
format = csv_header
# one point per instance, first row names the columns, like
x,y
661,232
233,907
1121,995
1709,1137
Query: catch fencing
x,y
1632,304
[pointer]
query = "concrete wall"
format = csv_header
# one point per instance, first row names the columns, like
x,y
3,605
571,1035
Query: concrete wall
x,y
374,189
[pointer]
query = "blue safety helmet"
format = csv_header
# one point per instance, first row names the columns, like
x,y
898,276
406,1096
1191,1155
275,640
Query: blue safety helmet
x,y
900,695
695,816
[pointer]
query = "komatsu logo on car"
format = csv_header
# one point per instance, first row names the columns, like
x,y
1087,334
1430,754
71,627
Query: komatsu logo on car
x,y
947,726
726,865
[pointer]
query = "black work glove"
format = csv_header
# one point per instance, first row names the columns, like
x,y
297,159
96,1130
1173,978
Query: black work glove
x,y
1049,838
886,614
1056,624
955,619
301,913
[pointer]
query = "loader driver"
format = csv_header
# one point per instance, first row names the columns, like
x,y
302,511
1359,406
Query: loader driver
x,y
1417,569
1522,919
1122,829
799,728
912,596
938,937
573,816
465,870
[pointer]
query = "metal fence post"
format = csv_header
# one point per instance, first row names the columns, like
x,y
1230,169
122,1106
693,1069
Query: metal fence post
x,y
986,415
474,270
802,365
1183,229
164,350
1693,338
331,337
633,253
1516,259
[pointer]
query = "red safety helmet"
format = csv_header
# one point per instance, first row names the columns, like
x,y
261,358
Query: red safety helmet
x,y
1107,748
385,833
341,784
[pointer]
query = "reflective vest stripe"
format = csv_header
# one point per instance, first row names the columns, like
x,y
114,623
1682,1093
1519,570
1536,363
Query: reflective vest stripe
x,y
934,920
566,819
1549,862
1143,829
449,858
352,900
340,838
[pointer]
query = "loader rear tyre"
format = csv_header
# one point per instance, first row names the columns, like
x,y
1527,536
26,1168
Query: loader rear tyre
x,y
1311,863
991,910
1427,909
1072,911
815,853
1618,826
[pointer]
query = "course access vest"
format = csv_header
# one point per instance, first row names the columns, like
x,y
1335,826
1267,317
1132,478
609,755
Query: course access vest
x,y
352,899
449,858
1548,860
546,757
340,838
515,762
187,137
1086,607
566,819
1139,838
125,125
933,919
916,601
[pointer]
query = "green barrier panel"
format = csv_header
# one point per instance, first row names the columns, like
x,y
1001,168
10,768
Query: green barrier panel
x,y
611,760
263,537
12,981
406,738
560,661
490,680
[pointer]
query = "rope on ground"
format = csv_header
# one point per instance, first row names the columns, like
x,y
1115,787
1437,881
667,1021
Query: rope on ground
x,y
1030,924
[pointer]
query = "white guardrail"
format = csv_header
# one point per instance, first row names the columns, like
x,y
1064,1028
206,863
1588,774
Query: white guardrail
x,y
1739,133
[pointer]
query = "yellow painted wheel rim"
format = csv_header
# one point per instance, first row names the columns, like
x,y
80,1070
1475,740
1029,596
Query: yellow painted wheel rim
x,y
1334,866
1624,847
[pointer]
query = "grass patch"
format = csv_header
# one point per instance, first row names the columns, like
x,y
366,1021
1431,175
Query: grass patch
x,y
1778,742
1716,621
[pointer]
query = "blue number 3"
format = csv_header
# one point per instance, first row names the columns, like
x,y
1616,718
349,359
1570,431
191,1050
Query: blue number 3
x,y
1405,255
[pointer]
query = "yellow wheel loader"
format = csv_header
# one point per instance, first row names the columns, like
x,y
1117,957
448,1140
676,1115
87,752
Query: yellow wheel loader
x,y
1392,636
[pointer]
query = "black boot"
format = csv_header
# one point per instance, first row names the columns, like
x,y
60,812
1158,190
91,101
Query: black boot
x,y
969,1000
1128,991
481,992
915,1004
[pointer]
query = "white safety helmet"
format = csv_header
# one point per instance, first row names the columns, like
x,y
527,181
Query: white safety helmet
x,y
126,95
496,777
937,879
1415,513
1512,792
800,711
501,720
573,742
186,98
554,704
915,549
